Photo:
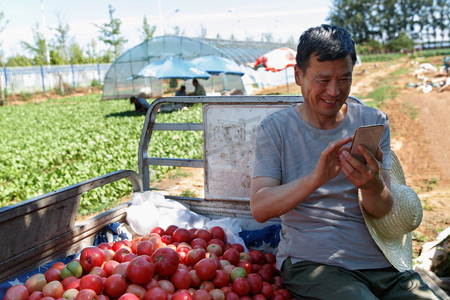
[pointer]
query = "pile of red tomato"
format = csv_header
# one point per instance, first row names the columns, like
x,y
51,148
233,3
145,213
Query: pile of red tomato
x,y
171,264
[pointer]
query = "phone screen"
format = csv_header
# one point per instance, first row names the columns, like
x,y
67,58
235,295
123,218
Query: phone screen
x,y
368,136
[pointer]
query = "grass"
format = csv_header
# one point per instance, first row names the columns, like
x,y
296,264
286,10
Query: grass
x,y
409,109
189,193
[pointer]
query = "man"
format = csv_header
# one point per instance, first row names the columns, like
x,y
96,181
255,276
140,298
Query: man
x,y
305,175
181,91
199,89
140,104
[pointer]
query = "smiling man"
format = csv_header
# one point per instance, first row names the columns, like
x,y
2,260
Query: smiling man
x,y
305,175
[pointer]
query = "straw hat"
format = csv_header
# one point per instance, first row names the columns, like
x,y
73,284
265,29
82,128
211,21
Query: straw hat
x,y
392,233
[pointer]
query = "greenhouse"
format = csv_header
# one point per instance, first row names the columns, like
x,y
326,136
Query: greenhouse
x,y
120,81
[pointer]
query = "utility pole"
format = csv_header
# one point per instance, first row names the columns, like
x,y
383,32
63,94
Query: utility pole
x,y
44,26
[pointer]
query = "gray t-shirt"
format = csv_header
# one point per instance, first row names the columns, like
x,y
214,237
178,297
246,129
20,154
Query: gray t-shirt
x,y
328,227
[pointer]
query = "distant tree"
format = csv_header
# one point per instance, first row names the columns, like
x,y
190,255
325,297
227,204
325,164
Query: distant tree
x,y
146,30
203,31
177,31
111,36
218,36
39,49
383,20
402,41
18,61
91,52
3,24
62,40
76,54
267,37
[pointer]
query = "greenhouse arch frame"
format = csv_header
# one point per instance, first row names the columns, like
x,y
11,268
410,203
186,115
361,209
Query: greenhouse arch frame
x,y
120,83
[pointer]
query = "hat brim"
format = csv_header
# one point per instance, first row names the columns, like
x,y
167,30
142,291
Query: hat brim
x,y
398,249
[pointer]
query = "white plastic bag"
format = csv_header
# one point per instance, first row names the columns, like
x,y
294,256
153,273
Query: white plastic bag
x,y
150,209
232,227
142,215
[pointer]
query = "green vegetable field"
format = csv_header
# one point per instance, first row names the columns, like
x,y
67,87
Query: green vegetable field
x,y
52,144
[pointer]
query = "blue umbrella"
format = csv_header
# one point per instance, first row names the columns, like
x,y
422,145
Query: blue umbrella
x,y
216,65
172,68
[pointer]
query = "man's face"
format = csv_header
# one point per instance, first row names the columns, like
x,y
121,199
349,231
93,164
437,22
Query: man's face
x,y
325,85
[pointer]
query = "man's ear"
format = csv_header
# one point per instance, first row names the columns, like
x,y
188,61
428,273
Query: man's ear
x,y
298,74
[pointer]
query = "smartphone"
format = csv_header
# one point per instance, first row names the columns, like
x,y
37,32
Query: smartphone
x,y
368,136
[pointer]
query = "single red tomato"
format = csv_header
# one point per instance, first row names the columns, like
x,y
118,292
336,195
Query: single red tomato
x,y
218,242
159,231
195,279
182,294
52,274
98,271
199,243
217,232
167,239
217,294
17,292
215,248
241,286
67,281
270,258
201,295
267,290
91,257
58,265
53,289
167,286
144,247
128,296
203,234
86,294
36,295
266,274
137,290
156,241
285,293
109,266
121,253
119,244
182,235
206,268
93,282
259,297
166,261
232,255
115,285
221,279
35,282
226,289
207,285
256,283
258,257
181,279
129,257
141,269
238,247
194,256
104,246
232,296
156,293
170,229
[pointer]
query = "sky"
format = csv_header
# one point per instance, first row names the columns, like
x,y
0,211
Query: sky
x,y
284,19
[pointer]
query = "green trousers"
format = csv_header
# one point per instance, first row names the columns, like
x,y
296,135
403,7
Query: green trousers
x,y
308,280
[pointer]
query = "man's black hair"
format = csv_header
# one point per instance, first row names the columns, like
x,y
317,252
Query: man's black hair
x,y
327,42
132,99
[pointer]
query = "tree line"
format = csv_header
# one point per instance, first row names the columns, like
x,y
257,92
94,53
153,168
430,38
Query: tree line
x,y
62,49
377,26
392,25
